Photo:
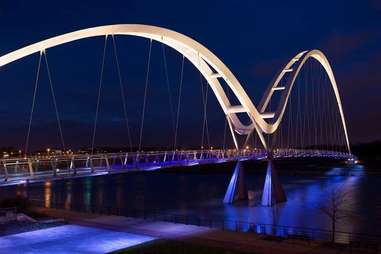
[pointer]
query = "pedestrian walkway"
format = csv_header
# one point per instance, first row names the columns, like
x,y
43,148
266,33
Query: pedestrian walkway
x,y
245,242
70,239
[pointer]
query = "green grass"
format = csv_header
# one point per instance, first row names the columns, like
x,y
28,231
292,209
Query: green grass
x,y
176,247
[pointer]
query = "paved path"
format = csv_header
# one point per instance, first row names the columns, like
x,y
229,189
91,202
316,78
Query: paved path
x,y
70,239
246,242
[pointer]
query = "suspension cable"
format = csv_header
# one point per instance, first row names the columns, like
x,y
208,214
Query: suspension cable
x,y
224,137
205,129
337,128
33,104
290,130
145,96
203,112
268,135
255,144
331,120
314,108
122,92
305,112
99,95
168,87
226,120
298,114
179,103
318,106
326,110
309,116
54,101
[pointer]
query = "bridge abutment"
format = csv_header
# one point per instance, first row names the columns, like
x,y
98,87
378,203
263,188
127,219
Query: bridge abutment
x,y
272,190
237,185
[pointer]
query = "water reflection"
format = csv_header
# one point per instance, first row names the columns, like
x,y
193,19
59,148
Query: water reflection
x,y
119,191
87,192
48,194
140,193
200,195
22,190
99,192
68,196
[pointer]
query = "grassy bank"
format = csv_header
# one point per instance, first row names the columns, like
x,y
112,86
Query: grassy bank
x,y
173,246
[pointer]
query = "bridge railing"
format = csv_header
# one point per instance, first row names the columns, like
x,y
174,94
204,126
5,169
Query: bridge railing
x,y
73,164
35,167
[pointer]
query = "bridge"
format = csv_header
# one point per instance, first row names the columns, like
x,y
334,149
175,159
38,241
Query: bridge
x,y
273,128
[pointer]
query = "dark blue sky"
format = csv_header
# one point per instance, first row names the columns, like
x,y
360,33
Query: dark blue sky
x,y
253,38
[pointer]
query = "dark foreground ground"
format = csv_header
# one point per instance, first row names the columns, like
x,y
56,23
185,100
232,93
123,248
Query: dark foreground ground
x,y
173,246
188,239
15,227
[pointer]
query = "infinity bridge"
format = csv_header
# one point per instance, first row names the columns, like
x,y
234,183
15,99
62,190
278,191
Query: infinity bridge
x,y
299,115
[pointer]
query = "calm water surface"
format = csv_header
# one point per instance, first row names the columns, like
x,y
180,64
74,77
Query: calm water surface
x,y
200,195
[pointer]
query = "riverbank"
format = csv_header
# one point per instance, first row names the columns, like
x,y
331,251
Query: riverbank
x,y
235,241
16,227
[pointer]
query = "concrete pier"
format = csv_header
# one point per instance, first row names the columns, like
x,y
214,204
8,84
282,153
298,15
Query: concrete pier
x,y
237,186
272,190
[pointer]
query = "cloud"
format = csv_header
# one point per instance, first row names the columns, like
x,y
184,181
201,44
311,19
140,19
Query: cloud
x,y
268,68
375,4
360,90
339,46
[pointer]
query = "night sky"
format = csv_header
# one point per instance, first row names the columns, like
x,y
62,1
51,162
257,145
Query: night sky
x,y
253,38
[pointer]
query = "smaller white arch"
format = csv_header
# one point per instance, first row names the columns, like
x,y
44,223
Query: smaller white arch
x,y
296,63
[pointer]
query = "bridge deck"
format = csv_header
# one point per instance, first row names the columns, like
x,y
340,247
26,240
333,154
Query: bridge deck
x,y
41,168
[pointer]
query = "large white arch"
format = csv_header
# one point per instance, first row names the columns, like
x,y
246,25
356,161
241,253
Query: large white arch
x,y
209,65
204,60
